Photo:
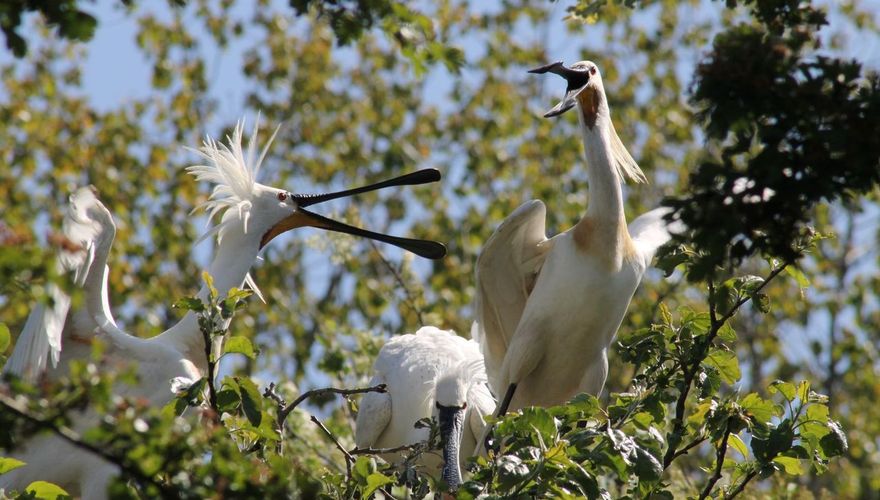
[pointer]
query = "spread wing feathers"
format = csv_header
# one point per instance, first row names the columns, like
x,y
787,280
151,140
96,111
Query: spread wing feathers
x,y
40,339
505,274
373,416
650,231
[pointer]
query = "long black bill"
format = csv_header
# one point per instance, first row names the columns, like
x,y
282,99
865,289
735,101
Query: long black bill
x,y
451,420
423,176
423,248
576,82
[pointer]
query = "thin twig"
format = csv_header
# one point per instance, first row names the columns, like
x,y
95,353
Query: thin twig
x,y
379,451
284,412
688,447
348,458
128,468
408,295
739,488
719,462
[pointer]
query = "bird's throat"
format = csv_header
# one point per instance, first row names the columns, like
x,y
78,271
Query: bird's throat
x,y
588,101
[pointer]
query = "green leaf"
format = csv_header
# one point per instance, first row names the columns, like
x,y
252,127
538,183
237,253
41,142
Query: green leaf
x,y
8,463
798,276
5,337
251,400
735,442
363,467
726,363
43,490
762,302
647,467
787,389
228,400
760,409
189,304
803,391
747,284
375,481
834,443
791,465
726,333
209,282
240,345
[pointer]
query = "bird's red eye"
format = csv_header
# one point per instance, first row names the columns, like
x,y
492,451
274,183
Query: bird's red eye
x,y
593,70
282,196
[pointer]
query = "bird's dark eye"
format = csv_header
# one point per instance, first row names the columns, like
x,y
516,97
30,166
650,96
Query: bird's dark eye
x,y
282,196
593,70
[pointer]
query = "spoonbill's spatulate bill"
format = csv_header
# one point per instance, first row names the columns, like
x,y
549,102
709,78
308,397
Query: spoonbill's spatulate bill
x,y
251,214
432,373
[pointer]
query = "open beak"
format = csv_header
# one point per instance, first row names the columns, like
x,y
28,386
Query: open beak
x,y
302,217
577,81
451,420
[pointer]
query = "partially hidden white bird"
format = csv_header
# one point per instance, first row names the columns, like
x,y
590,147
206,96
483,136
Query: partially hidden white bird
x,y
252,215
548,309
430,373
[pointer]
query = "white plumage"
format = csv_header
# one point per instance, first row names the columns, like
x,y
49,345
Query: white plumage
x,y
431,368
252,215
547,309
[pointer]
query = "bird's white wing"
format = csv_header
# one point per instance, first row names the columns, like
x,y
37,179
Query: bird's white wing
x,y
649,232
40,339
506,271
373,416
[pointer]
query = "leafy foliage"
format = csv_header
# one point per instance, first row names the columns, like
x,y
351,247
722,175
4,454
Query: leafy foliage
x,y
702,396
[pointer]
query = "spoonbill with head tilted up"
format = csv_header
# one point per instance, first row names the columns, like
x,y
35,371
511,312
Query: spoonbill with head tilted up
x,y
547,309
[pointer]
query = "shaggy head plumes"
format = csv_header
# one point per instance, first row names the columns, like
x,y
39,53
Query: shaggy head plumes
x,y
234,175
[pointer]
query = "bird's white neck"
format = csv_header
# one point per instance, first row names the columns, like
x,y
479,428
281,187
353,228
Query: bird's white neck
x,y
96,282
234,258
606,195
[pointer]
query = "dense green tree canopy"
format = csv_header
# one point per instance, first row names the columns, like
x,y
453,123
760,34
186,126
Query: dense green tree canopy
x,y
753,361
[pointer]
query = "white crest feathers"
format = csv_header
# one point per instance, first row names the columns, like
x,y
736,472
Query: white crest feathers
x,y
233,173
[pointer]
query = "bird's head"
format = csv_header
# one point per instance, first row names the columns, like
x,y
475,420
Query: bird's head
x,y
584,88
451,404
586,91
261,213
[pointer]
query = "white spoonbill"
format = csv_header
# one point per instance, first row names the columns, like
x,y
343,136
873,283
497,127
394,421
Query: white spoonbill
x,y
431,373
253,214
547,309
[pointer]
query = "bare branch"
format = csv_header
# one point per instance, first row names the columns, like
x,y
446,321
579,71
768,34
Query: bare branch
x,y
348,458
285,411
379,451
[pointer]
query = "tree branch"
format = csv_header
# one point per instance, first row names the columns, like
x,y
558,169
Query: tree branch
x,y
379,451
719,462
128,468
348,458
285,411
691,371
741,486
